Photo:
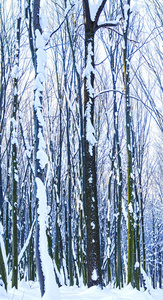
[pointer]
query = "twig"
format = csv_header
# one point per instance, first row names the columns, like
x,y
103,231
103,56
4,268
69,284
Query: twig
x,y
59,25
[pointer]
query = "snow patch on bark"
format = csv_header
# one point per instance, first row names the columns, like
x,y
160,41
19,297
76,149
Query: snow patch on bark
x,y
130,208
88,69
90,131
51,288
94,275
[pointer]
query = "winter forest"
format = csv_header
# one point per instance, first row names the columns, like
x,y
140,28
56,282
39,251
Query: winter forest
x,y
81,144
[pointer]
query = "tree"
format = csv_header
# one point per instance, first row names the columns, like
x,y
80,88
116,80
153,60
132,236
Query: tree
x,y
39,59
2,92
14,126
131,263
91,205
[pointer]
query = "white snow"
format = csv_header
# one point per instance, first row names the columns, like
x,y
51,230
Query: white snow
x,y
94,275
90,131
41,154
41,60
15,72
43,21
111,22
16,176
51,287
136,264
41,75
93,199
38,85
42,157
93,225
130,208
129,147
132,176
40,117
30,291
40,43
88,69
14,132
1,229
90,179
41,145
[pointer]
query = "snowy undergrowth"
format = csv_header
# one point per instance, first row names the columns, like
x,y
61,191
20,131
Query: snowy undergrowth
x,y
30,291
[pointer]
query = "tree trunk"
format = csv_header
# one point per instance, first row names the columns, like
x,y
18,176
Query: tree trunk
x,y
128,146
92,221
14,160
39,172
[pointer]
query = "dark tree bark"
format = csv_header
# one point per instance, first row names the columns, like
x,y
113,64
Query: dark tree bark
x,y
14,160
92,221
92,218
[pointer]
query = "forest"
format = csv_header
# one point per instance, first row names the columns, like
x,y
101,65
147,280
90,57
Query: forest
x,y
81,143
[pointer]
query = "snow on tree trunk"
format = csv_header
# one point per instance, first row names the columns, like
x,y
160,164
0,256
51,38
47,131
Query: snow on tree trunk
x,y
45,268
14,125
92,221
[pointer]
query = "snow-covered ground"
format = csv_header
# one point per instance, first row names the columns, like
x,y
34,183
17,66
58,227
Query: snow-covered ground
x,y
31,291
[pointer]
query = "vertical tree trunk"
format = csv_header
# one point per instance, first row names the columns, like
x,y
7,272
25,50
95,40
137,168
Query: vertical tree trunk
x,y
154,280
42,254
82,210
119,279
125,13
39,172
58,238
142,221
3,270
14,158
93,246
31,265
2,92
92,218
70,255
137,243
2,263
